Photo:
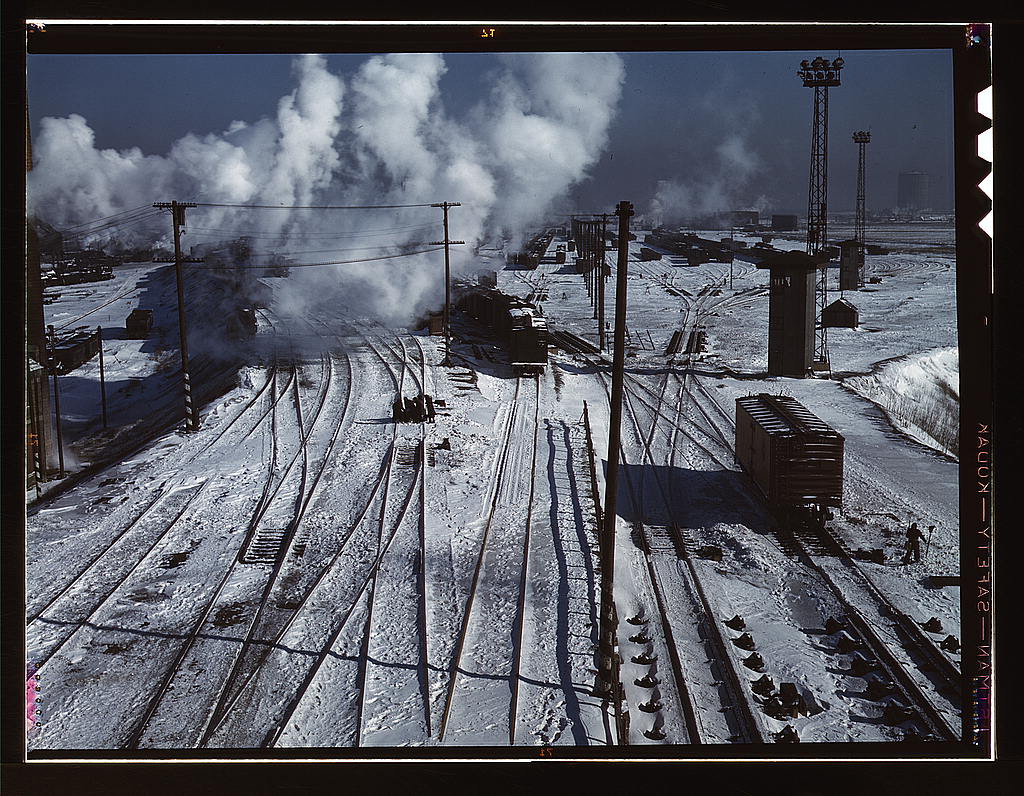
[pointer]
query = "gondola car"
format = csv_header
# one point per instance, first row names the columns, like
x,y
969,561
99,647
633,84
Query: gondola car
x,y
794,457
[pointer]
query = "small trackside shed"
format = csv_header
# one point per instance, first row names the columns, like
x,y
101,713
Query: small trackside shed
x,y
795,458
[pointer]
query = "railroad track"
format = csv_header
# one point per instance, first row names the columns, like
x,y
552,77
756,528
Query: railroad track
x,y
483,677
257,569
126,561
246,716
728,684
929,682
162,493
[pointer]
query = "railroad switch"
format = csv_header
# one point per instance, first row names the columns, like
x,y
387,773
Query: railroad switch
x,y
736,623
754,661
833,625
763,685
878,689
860,665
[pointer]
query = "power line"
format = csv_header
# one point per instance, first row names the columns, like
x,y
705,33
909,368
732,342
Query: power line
x,y
194,230
311,207
324,251
113,224
105,218
313,265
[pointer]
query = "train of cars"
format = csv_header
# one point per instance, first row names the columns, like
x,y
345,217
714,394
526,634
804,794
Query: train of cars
x,y
516,322
78,268
531,254
794,457
695,249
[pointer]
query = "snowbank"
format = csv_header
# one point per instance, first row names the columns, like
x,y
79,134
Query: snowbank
x,y
921,396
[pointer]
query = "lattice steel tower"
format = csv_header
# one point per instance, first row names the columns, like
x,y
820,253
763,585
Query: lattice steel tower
x,y
861,138
819,74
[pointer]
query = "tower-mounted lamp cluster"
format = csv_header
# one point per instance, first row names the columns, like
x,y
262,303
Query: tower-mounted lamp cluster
x,y
820,71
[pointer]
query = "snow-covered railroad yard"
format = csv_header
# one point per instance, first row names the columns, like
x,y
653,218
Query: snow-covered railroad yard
x,y
304,572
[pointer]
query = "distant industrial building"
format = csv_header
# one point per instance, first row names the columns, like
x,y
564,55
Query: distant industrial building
x,y
785,222
740,218
912,190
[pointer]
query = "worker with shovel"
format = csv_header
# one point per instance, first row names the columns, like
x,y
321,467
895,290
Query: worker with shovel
x,y
914,537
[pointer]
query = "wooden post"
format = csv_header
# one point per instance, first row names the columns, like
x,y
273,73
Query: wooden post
x,y
103,383
608,671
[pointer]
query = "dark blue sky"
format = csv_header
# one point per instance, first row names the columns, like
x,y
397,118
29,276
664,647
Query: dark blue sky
x,y
675,109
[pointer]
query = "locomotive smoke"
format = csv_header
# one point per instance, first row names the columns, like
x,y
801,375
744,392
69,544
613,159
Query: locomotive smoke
x,y
723,181
383,138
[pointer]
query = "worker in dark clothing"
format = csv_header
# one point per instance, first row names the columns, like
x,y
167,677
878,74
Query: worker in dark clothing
x,y
914,537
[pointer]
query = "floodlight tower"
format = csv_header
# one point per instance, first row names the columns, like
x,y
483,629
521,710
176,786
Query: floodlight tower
x,y
861,138
819,74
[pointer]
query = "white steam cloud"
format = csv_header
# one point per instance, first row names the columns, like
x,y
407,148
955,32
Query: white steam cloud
x,y
724,180
382,137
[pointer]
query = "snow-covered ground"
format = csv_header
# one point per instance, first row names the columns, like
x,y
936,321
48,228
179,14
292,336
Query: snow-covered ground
x,y
388,611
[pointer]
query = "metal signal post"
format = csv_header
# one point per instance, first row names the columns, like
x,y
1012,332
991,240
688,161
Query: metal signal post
x,y
447,279
861,138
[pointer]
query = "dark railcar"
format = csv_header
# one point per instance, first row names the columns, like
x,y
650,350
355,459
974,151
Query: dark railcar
x,y
138,324
795,458
528,340
649,254
514,321
75,349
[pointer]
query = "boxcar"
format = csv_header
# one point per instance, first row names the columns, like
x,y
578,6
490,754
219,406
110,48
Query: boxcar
x,y
649,254
794,458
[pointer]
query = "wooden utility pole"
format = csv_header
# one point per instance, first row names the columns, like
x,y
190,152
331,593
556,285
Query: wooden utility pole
x,y
177,219
600,286
52,363
609,668
103,381
447,279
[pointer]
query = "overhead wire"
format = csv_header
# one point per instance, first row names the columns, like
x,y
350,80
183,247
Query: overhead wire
x,y
311,265
311,207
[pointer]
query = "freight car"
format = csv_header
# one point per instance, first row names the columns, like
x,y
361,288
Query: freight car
x,y
516,322
649,254
528,341
794,458
75,349
139,323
